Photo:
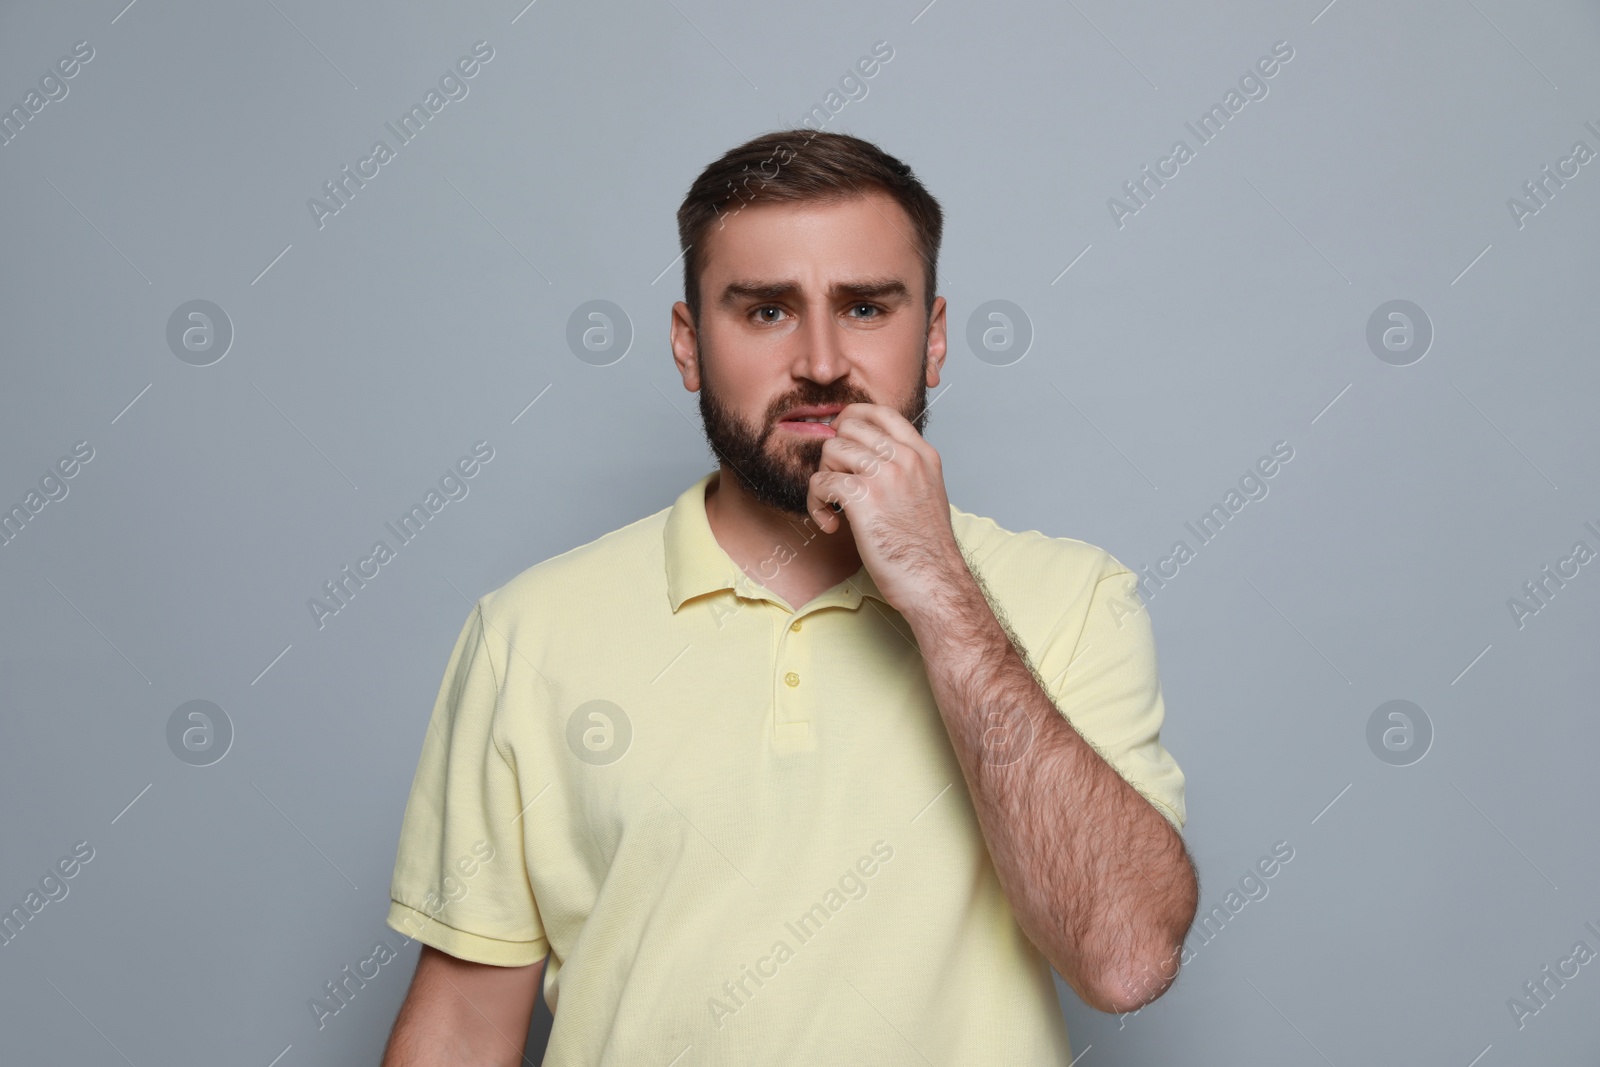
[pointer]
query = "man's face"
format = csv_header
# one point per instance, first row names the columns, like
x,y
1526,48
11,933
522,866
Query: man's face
x,y
805,305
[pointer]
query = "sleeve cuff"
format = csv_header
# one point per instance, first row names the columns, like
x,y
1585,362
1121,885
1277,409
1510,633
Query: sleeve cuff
x,y
1165,809
476,948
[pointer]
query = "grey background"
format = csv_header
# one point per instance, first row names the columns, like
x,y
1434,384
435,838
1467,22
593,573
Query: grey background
x,y
1228,314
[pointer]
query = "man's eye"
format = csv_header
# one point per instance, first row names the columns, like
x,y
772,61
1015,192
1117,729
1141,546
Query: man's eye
x,y
761,310
870,307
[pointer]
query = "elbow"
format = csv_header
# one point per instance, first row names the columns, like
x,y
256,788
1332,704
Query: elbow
x,y
1129,988
1124,998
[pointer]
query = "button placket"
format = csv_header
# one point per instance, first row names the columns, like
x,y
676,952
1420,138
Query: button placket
x,y
791,724
791,658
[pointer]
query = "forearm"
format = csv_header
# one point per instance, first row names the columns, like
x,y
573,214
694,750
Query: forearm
x,y
1097,878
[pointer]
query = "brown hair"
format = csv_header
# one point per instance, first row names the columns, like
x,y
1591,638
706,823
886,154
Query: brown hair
x,y
802,165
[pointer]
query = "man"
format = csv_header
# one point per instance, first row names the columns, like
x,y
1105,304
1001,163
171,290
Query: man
x,y
810,767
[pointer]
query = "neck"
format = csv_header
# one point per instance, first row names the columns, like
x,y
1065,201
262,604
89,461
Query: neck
x,y
760,539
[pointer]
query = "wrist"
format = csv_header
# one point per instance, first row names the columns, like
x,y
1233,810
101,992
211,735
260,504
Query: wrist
x,y
951,607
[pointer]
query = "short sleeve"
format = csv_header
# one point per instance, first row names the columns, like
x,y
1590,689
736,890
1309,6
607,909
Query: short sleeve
x,y
460,876
1107,684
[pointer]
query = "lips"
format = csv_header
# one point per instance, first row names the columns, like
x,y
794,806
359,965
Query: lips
x,y
815,414
811,421
807,429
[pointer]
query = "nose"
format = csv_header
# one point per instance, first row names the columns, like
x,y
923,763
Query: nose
x,y
819,351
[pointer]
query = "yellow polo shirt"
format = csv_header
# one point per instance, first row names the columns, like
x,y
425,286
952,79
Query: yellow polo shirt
x,y
739,829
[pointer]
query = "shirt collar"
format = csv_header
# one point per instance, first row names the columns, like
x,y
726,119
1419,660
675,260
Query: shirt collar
x,y
697,563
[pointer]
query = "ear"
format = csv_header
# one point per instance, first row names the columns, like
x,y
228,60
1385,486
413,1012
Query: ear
x,y
936,341
685,342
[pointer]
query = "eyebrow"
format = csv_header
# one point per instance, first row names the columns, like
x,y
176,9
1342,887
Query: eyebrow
x,y
862,289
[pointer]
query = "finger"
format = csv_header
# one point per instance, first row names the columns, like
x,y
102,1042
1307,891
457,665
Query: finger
x,y
824,511
886,419
842,488
845,454
869,435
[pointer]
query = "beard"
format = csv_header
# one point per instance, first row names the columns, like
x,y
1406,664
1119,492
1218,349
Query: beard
x,y
778,473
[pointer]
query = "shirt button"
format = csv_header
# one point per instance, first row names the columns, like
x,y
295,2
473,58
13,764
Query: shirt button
x,y
795,626
792,679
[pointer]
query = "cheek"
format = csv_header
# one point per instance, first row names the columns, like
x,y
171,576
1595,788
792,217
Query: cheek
x,y
745,378
892,368
733,381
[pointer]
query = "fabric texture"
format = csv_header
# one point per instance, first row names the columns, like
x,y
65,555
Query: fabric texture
x,y
738,828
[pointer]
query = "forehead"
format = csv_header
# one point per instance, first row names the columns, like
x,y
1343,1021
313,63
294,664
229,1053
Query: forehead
x,y
813,242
